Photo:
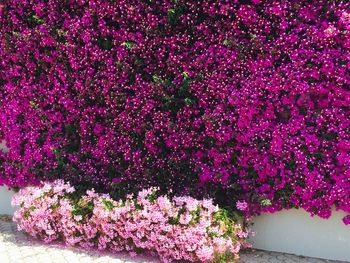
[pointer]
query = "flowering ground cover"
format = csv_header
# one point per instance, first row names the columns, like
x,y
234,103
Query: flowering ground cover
x,y
180,229
238,100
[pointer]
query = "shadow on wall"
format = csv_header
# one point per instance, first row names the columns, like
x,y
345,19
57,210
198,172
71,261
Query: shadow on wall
x,y
5,201
295,231
5,193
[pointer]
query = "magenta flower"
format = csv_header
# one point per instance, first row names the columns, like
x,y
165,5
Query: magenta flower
x,y
238,100
346,220
242,205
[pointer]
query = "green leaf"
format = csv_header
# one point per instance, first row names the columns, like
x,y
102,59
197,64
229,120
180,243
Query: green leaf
x,y
252,36
16,34
227,42
36,19
33,104
152,197
26,214
107,205
195,216
55,206
186,74
173,221
156,79
60,32
188,101
266,202
137,205
128,44
174,14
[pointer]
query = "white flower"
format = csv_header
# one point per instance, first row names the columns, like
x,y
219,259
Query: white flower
x,y
78,218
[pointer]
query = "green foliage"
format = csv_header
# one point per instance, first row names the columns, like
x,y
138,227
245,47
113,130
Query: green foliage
x,y
128,44
83,208
35,20
266,202
55,206
186,75
26,214
226,220
226,257
107,204
195,216
105,43
227,42
174,14
175,220
137,205
188,101
157,79
59,157
152,197
33,104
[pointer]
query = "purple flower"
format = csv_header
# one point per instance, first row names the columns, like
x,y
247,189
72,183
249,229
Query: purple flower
x,y
346,220
242,205
193,96
117,180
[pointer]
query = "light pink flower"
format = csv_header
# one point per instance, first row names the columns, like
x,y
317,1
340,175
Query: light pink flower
x,y
47,213
242,205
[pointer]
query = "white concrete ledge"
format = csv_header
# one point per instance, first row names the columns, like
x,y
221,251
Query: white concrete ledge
x,y
5,201
5,193
295,231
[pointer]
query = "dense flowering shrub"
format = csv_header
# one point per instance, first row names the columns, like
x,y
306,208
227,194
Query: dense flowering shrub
x,y
180,229
247,98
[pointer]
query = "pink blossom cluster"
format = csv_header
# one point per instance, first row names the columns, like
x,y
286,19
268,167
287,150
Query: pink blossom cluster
x,y
180,229
224,98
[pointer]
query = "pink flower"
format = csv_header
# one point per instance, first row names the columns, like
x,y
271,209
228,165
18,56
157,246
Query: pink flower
x,y
192,204
330,31
242,205
78,218
185,219
205,253
220,244
235,249
122,226
163,203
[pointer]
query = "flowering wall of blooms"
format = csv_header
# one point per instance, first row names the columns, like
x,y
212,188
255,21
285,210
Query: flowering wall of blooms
x,y
240,100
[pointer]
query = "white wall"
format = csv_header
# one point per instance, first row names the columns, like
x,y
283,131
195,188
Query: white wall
x,y
5,201
5,194
295,231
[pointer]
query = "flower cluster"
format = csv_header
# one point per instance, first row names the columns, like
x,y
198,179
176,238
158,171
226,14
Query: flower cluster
x,y
239,98
180,229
